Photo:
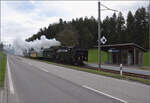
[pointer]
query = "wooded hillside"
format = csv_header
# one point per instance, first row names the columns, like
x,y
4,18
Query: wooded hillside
x,y
83,31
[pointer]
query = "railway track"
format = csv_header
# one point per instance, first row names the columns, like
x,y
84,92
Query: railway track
x,y
118,72
106,70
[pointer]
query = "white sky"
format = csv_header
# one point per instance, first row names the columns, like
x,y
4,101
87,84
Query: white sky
x,y
21,19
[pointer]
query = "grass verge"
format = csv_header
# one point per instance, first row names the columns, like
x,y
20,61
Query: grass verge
x,y
113,75
2,68
147,58
144,68
93,56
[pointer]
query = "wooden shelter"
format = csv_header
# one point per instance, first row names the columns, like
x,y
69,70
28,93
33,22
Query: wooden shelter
x,y
127,54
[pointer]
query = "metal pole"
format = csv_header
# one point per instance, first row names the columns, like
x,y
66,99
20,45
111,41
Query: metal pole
x,y
99,36
149,28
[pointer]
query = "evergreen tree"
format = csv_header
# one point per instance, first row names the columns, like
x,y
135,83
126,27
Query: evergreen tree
x,y
140,27
112,29
120,27
84,31
1,46
106,29
147,34
130,27
68,36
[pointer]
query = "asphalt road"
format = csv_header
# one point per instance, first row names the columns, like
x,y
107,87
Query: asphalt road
x,y
126,69
28,83
132,92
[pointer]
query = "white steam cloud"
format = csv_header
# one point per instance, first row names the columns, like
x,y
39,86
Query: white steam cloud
x,y
21,45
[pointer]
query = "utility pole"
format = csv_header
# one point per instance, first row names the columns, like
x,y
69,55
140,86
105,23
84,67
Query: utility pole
x,y
0,36
99,35
149,27
149,24
0,24
99,30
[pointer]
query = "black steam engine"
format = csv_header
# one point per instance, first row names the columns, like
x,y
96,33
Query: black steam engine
x,y
62,54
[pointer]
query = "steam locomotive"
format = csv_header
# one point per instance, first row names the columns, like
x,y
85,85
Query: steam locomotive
x,y
62,54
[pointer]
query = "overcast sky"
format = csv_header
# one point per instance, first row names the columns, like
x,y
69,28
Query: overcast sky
x,y
21,19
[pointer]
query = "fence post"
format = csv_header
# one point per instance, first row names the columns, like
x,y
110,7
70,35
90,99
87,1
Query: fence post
x,y
121,69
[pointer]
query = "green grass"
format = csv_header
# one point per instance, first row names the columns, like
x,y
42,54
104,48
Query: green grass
x,y
145,68
93,56
117,76
2,68
147,58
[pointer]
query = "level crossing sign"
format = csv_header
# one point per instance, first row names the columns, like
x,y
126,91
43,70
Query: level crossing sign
x,y
103,40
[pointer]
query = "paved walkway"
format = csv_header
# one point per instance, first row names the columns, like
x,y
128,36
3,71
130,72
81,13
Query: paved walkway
x,y
126,69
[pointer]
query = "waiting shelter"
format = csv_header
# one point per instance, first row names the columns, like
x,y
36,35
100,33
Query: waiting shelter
x,y
127,54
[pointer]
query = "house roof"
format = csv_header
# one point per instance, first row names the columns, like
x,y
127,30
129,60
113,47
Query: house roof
x,y
125,45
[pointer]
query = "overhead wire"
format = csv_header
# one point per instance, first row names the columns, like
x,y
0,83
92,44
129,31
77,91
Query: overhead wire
x,y
107,8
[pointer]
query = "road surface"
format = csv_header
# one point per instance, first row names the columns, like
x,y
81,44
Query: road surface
x,y
29,83
126,69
